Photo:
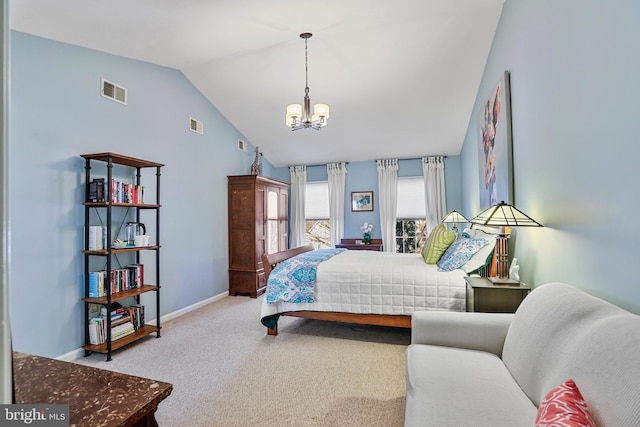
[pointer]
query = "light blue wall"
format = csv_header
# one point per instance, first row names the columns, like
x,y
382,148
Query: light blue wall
x,y
363,176
576,103
56,114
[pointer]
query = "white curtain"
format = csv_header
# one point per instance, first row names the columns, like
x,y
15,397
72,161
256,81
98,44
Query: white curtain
x,y
297,215
388,201
337,173
435,195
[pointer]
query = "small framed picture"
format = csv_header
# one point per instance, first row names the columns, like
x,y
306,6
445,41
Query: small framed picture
x,y
362,201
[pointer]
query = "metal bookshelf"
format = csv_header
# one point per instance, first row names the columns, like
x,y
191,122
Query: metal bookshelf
x,y
107,207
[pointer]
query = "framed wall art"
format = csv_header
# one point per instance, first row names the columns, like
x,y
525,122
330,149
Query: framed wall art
x,y
495,155
362,201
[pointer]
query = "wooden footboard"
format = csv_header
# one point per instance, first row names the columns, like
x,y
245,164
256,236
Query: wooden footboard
x,y
271,260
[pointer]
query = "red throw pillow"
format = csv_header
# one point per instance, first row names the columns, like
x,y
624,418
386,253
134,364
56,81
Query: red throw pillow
x,y
564,406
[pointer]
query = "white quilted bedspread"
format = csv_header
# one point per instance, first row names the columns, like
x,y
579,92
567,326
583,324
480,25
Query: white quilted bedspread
x,y
380,283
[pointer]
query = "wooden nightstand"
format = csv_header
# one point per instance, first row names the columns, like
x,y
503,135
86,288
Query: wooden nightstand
x,y
484,296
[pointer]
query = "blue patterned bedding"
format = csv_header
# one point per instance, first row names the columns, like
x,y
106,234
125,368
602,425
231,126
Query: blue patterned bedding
x,y
293,280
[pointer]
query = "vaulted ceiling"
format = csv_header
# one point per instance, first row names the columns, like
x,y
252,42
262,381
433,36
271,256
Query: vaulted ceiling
x,y
400,76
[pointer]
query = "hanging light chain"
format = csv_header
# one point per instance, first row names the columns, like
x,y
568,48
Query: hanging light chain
x,y
306,65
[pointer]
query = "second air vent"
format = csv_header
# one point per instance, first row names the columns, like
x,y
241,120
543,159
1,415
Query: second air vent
x,y
113,91
196,126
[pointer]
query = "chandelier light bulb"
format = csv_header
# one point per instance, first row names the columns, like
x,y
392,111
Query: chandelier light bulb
x,y
294,112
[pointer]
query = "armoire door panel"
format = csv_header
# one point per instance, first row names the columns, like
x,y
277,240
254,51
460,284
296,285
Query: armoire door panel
x,y
241,204
241,246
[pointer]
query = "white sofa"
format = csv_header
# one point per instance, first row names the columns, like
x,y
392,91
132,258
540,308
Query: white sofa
x,y
491,369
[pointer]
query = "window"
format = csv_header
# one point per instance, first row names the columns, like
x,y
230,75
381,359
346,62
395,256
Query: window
x,y
317,226
410,214
409,235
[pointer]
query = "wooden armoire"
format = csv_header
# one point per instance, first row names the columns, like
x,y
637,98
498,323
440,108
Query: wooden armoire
x,y
258,224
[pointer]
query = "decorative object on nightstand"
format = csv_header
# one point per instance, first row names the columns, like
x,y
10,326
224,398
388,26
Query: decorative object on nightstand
x,y
366,230
454,217
503,215
514,270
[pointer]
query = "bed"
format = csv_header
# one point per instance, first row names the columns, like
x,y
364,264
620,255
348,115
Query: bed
x,y
372,288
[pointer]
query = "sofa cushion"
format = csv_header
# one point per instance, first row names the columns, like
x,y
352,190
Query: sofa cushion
x,y
472,331
561,332
564,406
458,387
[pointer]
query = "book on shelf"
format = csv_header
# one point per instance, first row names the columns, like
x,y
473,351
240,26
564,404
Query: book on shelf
x,y
136,312
97,237
124,325
116,310
126,193
96,190
130,277
97,330
94,334
96,284
117,316
121,320
121,330
136,275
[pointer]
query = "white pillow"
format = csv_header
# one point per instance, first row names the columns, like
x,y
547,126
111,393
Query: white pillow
x,y
481,230
482,257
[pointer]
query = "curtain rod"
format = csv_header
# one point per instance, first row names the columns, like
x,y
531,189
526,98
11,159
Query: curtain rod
x,y
322,164
415,158
346,163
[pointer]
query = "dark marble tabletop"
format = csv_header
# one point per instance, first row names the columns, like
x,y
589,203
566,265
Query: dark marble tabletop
x,y
96,397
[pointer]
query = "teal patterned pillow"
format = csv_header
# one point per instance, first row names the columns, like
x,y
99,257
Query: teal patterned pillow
x,y
460,252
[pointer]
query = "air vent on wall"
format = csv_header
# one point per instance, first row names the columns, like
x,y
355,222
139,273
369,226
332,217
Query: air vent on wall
x,y
242,146
113,92
196,126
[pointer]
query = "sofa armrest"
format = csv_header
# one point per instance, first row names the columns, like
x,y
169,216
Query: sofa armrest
x,y
474,331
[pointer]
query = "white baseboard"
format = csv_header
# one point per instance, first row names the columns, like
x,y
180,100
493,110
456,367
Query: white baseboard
x,y
78,353
190,308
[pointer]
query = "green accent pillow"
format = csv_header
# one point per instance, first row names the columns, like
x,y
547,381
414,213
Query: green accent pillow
x,y
438,242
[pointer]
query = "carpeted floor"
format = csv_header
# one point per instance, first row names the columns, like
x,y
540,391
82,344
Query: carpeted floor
x,y
227,372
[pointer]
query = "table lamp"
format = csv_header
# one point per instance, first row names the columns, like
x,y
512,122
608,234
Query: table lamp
x,y
505,216
454,217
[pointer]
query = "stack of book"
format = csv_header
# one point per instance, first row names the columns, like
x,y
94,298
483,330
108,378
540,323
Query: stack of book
x,y
130,277
124,321
126,193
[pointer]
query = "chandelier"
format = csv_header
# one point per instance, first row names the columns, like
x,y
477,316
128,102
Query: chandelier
x,y
299,116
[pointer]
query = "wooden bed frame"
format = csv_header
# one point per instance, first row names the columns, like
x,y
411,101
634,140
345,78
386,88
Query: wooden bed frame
x,y
270,261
